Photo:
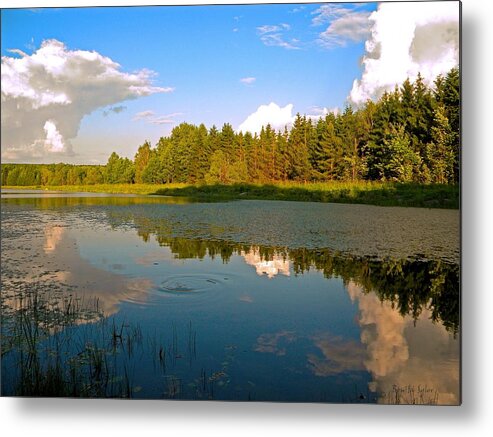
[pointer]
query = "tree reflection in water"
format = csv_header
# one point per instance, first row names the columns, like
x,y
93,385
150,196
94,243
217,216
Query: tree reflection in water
x,y
410,285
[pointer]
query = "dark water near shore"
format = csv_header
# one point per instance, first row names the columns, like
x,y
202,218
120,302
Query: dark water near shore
x,y
243,300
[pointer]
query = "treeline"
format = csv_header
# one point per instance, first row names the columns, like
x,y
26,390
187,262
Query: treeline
x,y
52,174
408,135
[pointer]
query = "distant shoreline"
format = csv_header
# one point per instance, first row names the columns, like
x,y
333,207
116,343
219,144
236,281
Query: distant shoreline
x,y
370,193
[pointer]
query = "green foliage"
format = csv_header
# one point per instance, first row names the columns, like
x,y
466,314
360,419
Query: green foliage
x,y
440,151
223,171
141,161
37,175
403,163
118,170
219,170
447,93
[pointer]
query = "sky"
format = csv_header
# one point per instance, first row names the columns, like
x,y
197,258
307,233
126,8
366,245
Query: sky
x,y
80,83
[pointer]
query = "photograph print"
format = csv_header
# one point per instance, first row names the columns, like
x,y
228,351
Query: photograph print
x,y
253,202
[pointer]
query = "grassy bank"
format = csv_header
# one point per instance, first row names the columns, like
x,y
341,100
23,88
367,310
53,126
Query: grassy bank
x,y
102,188
372,193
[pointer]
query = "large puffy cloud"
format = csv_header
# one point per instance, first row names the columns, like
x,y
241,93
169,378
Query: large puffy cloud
x,y
407,39
45,96
271,114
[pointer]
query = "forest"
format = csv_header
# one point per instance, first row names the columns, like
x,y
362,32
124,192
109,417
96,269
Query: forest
x,y
409,135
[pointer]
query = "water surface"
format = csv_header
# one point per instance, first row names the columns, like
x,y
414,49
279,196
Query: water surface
x,y
243,300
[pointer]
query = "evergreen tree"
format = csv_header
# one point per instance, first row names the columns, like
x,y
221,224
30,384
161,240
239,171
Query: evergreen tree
x,y
422,118
267,154
440,156
282,163
447,93
300,169
349,165
214,140
227,140
201,153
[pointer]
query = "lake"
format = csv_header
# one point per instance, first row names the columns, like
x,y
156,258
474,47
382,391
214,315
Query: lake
x,y
168,298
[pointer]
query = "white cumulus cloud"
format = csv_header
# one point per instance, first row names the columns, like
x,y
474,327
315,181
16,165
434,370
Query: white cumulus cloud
x,y
46,94
407,39
271,114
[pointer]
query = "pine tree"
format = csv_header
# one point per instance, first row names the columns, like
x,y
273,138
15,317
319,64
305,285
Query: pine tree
x,y
447,93
348,133
201,153
298,150
422,118
440,156
282,170
267,154
227,140
319,151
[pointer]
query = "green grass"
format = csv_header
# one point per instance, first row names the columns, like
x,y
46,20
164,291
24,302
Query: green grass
x,y
372,193
143,189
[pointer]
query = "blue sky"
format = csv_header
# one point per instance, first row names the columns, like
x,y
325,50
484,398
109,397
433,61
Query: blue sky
x,y
201,54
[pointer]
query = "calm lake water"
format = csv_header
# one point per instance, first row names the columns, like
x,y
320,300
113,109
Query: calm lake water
x,y
153,297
